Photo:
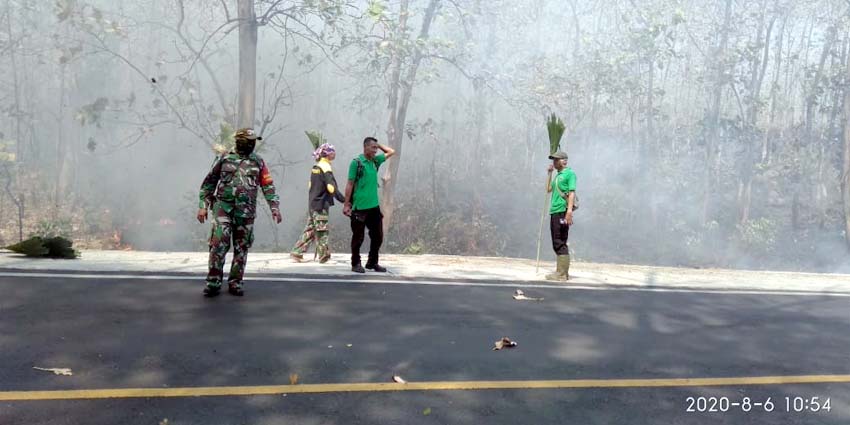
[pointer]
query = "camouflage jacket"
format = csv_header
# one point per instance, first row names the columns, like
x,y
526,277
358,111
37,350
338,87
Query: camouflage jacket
x,y
233,182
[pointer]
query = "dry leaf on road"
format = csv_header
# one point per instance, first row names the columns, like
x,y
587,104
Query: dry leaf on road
x,y
399,379
505,342
520,296
293,379
56,370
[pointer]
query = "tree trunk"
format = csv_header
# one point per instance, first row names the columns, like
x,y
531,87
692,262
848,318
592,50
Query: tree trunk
x,y
845,176
714,114
61,148
774,91
811,96
394,132
247,62
401,91
757,72
577,29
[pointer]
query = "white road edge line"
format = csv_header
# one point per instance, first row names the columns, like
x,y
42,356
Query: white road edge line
x,y
320,279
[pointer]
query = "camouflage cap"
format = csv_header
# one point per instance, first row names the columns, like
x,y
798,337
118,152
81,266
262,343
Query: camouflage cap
x,y
246,134
558,155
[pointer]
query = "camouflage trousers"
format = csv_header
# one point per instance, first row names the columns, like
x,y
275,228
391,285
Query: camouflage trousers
x,y
227,226
316,229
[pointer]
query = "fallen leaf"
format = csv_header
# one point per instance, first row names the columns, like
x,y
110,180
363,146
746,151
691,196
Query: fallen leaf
x,y
505,342
349,345
55,370
520,296
427,411
293,379
399,379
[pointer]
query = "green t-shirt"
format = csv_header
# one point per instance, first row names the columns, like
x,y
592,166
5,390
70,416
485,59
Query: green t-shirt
x,y
366,189
566,180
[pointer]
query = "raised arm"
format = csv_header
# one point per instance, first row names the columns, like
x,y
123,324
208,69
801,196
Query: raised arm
x,y
388,151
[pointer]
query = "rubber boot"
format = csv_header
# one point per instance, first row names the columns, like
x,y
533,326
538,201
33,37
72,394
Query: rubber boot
x,y
565,267
559,271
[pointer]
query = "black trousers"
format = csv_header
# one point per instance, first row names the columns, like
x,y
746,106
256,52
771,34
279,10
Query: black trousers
x,y
361,220
560,233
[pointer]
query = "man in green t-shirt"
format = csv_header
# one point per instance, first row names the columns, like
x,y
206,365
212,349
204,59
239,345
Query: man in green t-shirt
x,y
563,189
363,205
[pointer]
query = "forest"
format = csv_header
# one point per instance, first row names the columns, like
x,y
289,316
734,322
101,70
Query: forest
x,y
702,133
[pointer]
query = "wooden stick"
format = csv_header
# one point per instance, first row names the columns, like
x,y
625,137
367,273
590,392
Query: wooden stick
x,y
540,233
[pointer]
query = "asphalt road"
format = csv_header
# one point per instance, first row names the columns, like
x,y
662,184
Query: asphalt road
x,y
162,334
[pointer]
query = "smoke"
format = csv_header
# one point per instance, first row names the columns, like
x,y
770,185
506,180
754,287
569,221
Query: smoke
x,y
128,154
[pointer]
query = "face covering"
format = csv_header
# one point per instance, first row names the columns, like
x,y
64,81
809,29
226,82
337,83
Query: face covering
x,y
244,147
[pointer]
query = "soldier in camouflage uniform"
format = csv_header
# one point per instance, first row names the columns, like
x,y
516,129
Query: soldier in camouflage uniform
x,y
230,189
323,189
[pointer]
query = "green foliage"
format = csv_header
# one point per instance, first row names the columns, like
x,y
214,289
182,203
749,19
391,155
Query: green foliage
x,y
50,239
32,247
419,228
55,228
52,247
758,236
226,141
86,17
92,113
414,248
316,138
59,247
376,9
556,129
7,153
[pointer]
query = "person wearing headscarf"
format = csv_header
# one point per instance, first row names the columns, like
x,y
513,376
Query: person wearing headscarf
x,y
322,192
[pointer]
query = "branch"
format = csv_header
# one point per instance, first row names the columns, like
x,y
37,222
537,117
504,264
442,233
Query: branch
x,y
105,48
270,13
474,79
738,99
198,56
314,40
694,40
226,10
461,12
181,15
268,119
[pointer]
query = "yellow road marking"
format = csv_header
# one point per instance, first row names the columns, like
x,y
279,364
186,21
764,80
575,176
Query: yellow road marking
x,y
414,386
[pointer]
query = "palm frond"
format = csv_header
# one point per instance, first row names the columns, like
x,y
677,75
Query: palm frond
x,y
52,247
316,138
556,131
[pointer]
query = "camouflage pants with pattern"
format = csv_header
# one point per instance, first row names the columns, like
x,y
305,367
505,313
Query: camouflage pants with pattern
x,y
316,229
227,226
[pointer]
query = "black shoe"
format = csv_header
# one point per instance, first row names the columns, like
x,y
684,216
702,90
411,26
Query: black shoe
x,y
210,292
358,269
377,267
235,291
